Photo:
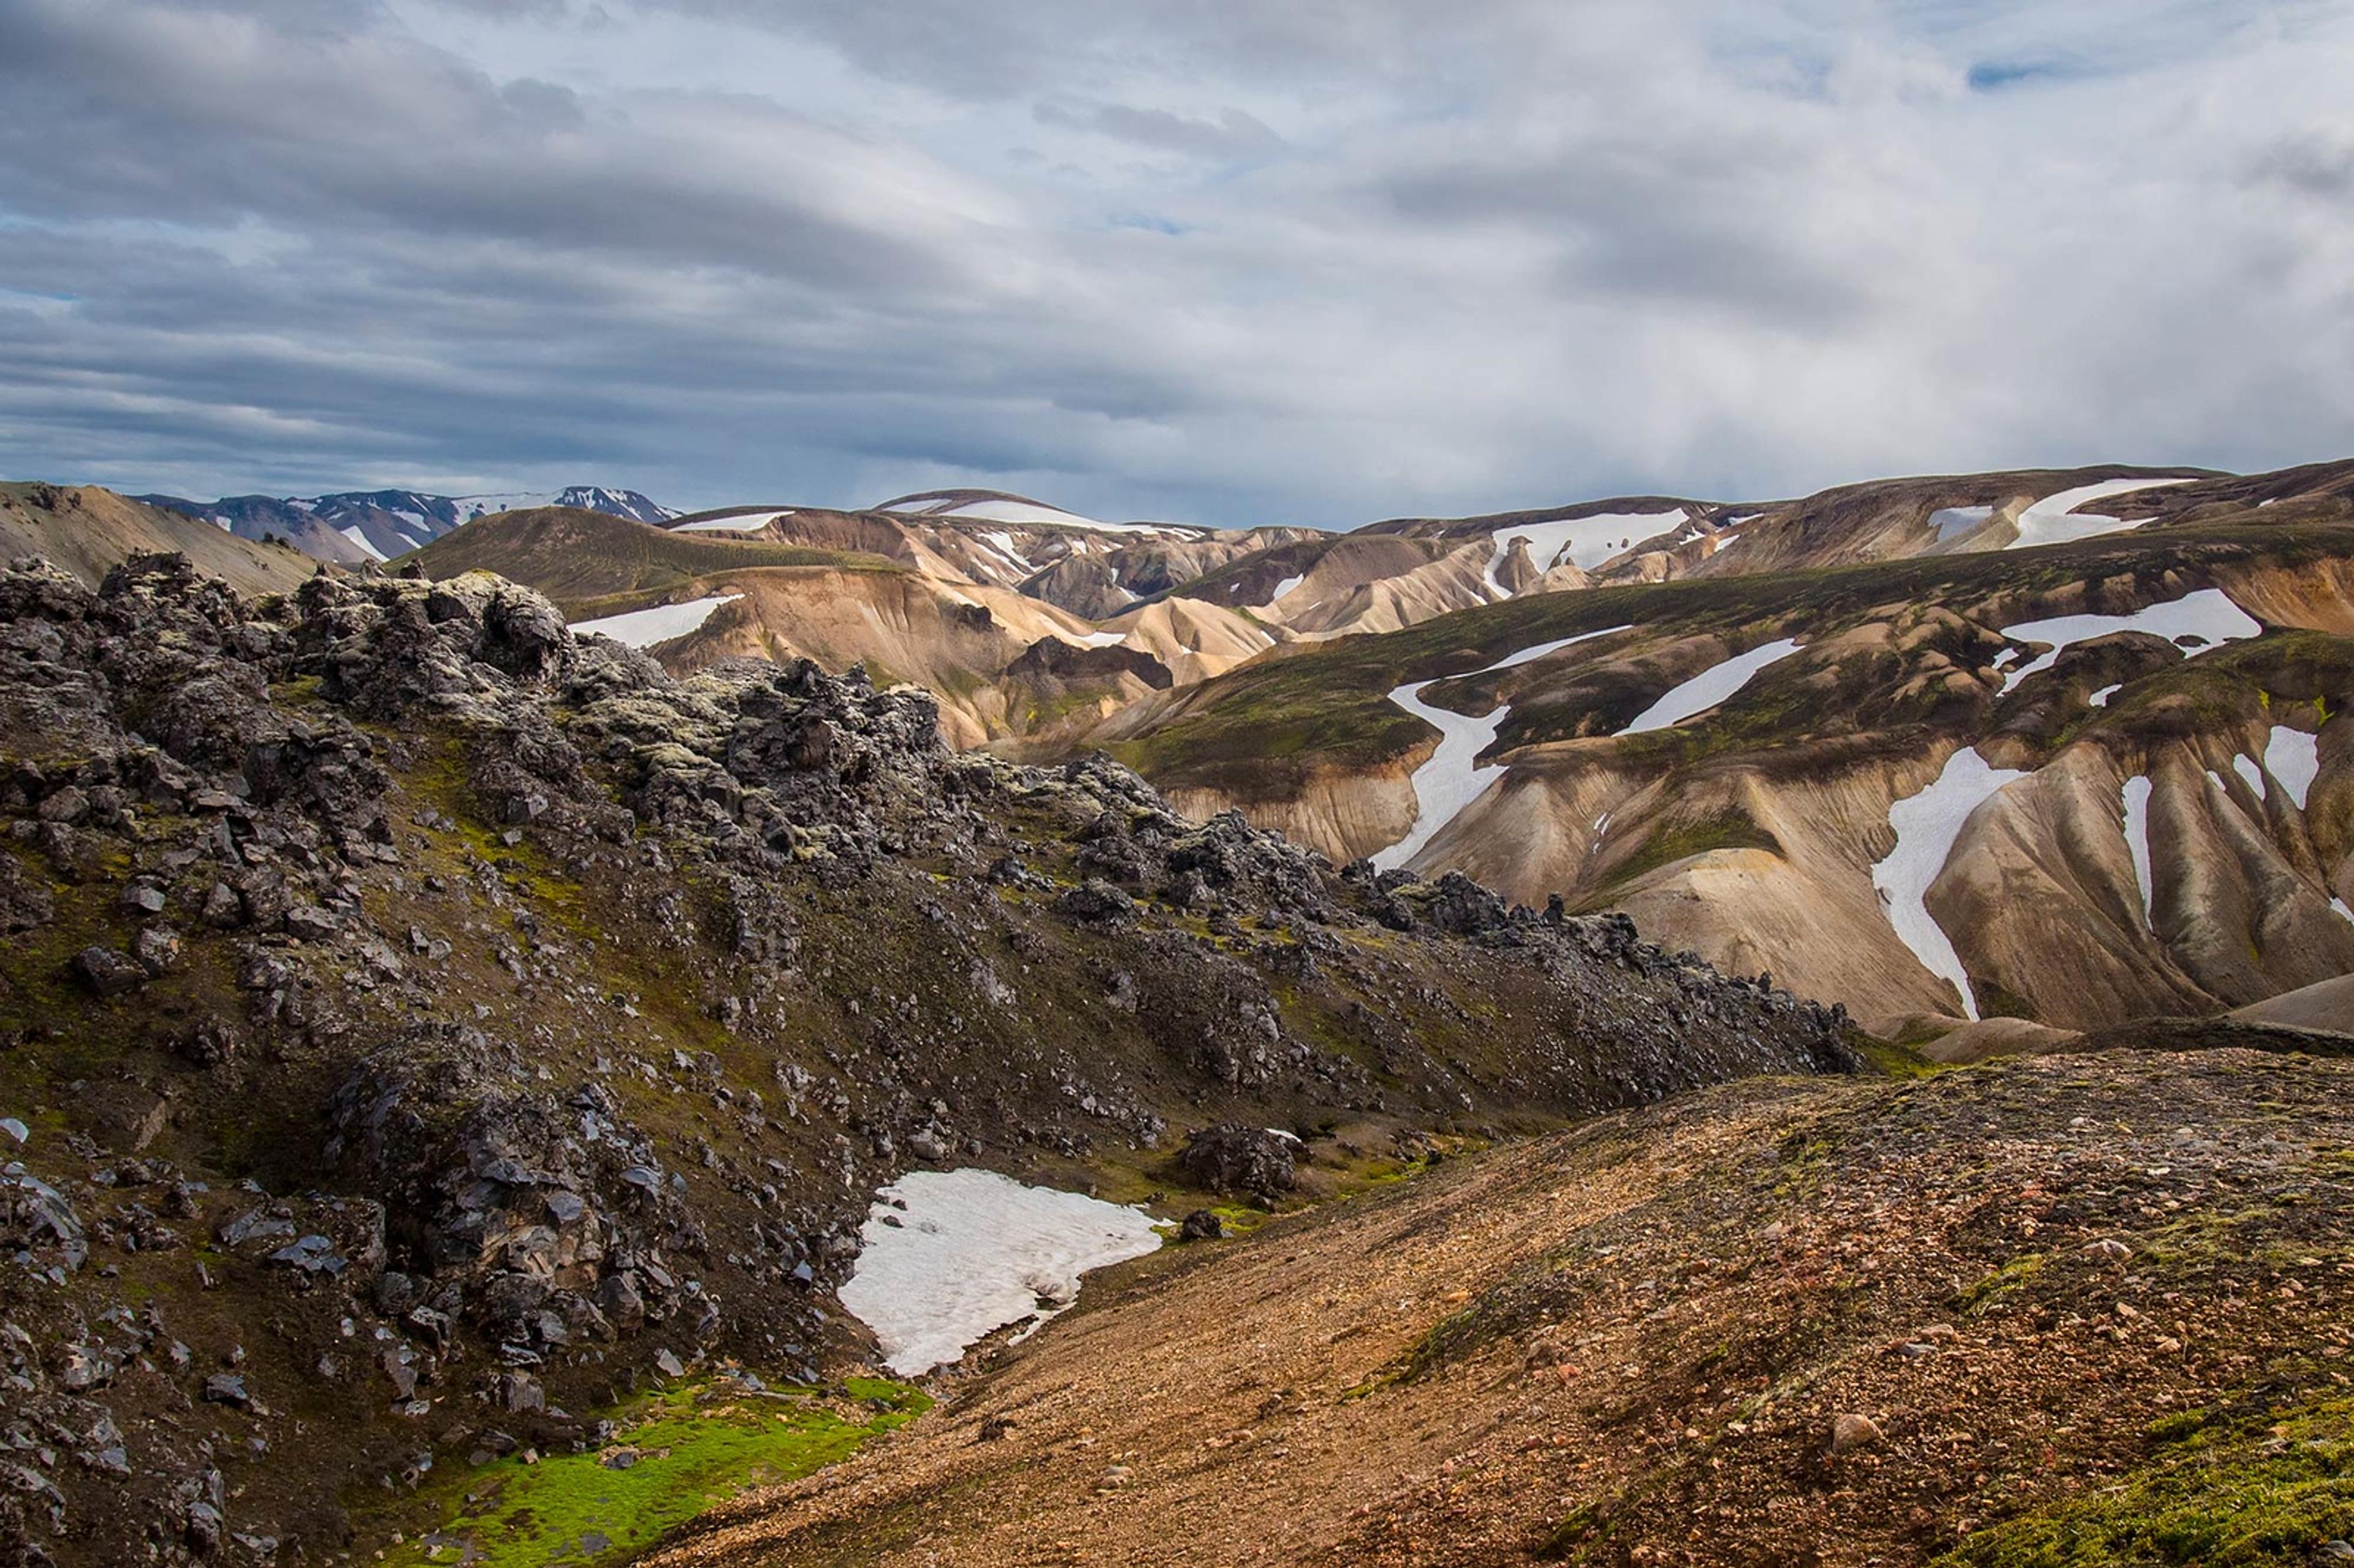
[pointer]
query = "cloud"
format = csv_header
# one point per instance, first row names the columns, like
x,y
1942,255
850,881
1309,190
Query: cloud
x,y
1232,262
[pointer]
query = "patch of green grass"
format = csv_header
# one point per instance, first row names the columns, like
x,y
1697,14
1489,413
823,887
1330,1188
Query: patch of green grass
x,y
2002,1281
2220,1491
1675,840
688,1449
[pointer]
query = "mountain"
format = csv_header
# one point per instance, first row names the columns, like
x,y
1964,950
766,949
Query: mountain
x,y
1871,744
354,526
422,1029
89,531
1763,728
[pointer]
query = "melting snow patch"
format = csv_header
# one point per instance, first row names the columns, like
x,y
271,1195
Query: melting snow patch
x,y
2208,614
1951,522
1926,825
972,1251
1284,587
361,539
644,628
2137,804
1453,779
2053,520
1710,687
2294,757
2099,699
2246,768
1588,541
739,522
2340,905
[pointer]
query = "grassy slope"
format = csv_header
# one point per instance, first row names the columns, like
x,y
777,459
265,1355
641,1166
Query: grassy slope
x,y
88,530
593,564
1331,702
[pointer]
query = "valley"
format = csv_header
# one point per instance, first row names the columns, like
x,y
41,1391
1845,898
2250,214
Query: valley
x,y
1613,1046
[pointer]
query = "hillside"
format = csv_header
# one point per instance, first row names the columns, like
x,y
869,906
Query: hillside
x,y
2151,712
2083,1310
423,1032
352,527
89,531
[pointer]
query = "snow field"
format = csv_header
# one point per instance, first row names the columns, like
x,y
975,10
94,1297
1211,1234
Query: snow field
x,y
1452,778
1926,826
972,1251
644,628
2052,520
2207,613
1710,687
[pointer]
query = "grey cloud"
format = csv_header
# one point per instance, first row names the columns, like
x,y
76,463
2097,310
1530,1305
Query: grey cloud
x,y
1233,134
2318,162
1515,251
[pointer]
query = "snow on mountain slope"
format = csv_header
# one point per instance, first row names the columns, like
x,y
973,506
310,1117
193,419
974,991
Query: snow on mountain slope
x,y
948,1257
1588,542
1452,778
1710,687
2206,617
1926,824
644,628
2054,520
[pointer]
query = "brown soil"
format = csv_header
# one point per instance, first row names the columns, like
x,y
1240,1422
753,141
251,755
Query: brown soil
x,y
1632,1342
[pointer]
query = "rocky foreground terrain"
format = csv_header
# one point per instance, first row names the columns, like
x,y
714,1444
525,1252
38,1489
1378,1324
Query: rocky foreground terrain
x,y
420,1027
2082,1310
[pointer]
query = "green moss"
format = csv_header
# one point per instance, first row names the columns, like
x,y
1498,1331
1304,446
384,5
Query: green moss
x,y
2220,1492
686,1449
2002,1281
1675,840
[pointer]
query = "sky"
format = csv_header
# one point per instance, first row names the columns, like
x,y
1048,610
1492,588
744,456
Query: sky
x,y
1218,261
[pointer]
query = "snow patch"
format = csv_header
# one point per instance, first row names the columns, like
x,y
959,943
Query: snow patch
x,y
1926,826
2207,613
2136,808
2245,768
2294,757
644,628
1588,541
950,1256
1952,521
357,537
1710,687
1452,778
1284,587
2054,520
2099,699
737,524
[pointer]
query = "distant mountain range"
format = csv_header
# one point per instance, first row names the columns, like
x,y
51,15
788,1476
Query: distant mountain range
x,y
356,525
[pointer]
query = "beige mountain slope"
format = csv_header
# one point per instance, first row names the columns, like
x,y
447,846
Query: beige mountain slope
x,y
2180,840
926,601
88,530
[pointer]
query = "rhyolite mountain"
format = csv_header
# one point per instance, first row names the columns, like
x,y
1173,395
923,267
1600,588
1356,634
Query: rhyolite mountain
x,y
421,1026
2134,670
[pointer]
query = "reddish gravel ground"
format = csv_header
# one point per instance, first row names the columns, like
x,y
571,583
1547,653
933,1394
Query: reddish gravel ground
x,y
2009,1313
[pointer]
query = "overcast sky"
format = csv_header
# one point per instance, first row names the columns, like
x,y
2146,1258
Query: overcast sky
x,y
1214,261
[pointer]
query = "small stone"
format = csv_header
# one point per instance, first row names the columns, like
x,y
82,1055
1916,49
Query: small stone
x,y
144,897
668,1364
1852,1431
1202,1225
2108,1250
228,1388
17,1130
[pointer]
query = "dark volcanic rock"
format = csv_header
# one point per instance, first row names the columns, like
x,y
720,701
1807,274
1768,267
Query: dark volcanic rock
x,y
1232,1158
